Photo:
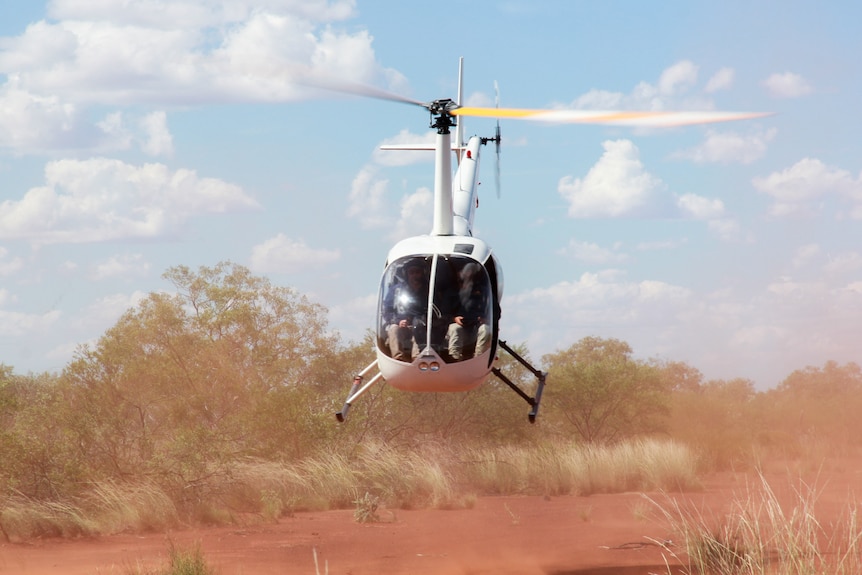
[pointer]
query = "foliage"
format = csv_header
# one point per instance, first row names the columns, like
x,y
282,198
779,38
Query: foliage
x,y
763,534
366,509
719,418
605,394
218,400
184,384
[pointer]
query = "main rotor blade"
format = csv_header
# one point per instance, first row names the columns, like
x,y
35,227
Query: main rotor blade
x,y
314,80
612,117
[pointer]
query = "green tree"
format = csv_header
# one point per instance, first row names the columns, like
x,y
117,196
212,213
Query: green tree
x,y
603,393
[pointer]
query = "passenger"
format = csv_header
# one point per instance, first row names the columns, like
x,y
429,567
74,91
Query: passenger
x,y
470,325
405,313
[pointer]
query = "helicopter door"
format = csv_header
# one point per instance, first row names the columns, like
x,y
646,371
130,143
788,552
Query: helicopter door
x,y
403,307
439,301
462,291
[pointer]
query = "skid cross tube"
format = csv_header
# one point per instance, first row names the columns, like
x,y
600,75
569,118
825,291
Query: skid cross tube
x,y
541,376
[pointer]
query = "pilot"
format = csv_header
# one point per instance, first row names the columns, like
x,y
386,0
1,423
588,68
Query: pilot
x,y
406,313
469,325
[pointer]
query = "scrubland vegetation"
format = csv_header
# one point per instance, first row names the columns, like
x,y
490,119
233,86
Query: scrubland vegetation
x,y
215,405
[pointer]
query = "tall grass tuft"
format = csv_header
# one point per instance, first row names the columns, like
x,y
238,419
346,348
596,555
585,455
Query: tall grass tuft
x,y
25,518
761,536
434,476
135,506
562,469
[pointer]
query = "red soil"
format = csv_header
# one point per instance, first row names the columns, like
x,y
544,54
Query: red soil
x,y
599,534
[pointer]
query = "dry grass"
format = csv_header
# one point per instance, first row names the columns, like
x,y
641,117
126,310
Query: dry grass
x,y
571,469
434,477
762,535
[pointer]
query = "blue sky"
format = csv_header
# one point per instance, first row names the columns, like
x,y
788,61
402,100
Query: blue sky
x,y
146,134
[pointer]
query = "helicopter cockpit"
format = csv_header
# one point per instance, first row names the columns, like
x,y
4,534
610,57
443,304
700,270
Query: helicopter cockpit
x,y
439,301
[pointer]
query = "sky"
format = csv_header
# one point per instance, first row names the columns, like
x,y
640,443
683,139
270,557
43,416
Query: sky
x,y
145,134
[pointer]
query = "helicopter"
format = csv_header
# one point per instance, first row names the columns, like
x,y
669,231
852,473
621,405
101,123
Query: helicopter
x,y
439,299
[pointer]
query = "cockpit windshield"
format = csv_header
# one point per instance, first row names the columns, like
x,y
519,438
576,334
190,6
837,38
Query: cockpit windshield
x,y
441,302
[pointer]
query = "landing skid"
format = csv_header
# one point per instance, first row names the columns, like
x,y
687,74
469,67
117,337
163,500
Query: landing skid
x,y
534,401
358,389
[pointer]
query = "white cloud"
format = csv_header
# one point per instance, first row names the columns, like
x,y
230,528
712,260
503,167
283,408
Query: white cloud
x,y
415,216
355,317
671,91
367,201
617,185
721,80
787,85
783,324
592,253
678,78
126,265
700,208
594,304
281,254
159,141
17,324
805,254
843,264
165,54
9,265
729,147
102,199
161,53
800,188
728,229
405,157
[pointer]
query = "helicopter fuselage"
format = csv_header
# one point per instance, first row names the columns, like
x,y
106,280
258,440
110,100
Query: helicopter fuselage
x,y
438,313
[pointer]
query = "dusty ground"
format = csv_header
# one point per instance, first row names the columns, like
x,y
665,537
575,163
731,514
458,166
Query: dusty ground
x,y
600,534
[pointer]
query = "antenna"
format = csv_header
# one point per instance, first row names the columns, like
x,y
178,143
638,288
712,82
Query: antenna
x,y
459,129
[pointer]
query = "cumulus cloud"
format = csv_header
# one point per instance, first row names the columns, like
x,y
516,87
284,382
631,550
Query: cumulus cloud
x,y
678,78
102,199
782,322
600,302
405,149
353,318
159,141
9,265
592,253
370,200
617,185
159,52
701,208
729,147
415,215
18,323
787,85
674,89
121,266
798,189
165,54
367,200
282,254
721,80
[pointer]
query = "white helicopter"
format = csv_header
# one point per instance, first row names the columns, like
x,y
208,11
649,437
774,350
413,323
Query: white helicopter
x,y
438,318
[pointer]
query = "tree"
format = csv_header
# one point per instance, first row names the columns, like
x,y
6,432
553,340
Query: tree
x,y
820,406
606,395
185,384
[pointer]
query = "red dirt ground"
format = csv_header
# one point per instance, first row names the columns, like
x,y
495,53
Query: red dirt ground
x,y
595,535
